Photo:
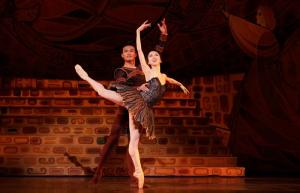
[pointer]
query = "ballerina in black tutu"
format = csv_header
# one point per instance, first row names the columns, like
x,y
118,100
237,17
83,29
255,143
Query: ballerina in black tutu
x,y
138,103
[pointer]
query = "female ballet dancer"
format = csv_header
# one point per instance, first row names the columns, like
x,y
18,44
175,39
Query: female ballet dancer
x,y
139,104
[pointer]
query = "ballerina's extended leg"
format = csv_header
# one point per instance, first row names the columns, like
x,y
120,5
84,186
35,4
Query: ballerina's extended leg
x,y
99,88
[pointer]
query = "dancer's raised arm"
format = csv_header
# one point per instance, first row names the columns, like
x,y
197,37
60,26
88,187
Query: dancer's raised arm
x,y
146,69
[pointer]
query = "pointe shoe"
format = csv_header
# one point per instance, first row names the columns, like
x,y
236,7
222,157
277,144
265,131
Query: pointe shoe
x,y
81,72
140,178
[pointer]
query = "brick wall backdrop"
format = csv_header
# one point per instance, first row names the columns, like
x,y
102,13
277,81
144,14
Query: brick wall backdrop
x,y
58,127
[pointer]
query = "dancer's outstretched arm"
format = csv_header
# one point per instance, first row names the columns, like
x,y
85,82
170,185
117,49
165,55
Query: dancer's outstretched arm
x,y
173,81
99,88
146,69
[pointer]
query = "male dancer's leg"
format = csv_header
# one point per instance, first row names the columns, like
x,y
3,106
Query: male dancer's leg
x,y
121,119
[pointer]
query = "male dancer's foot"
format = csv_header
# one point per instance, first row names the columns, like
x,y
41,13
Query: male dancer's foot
x,y
97,176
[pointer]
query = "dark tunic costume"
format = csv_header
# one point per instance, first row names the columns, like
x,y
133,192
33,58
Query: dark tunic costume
x,y
140,103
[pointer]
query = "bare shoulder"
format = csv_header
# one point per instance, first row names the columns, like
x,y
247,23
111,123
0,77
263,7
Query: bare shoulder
x,y
164,75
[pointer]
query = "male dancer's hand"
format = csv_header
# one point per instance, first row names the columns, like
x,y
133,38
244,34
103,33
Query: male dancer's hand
x,y
143,87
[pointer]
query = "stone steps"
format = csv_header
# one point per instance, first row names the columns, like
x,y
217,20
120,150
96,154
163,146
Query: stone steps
x,y
118,161
74,94
29,120
42,120
79,170
148,171
194,171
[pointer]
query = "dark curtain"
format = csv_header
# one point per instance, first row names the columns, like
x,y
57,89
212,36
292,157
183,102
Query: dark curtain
x,y
266,116
40,38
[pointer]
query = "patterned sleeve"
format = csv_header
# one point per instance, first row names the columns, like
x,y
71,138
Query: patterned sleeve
x,y
120,75
162,43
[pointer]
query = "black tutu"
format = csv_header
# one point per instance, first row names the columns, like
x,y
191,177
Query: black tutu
x,y
140,104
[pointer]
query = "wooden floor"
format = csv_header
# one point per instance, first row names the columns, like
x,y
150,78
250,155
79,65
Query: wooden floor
x,y
154,185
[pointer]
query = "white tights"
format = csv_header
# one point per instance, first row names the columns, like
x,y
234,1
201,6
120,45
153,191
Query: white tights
x,y
133,146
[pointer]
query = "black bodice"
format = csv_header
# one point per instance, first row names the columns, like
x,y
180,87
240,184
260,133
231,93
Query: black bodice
x,y
155,93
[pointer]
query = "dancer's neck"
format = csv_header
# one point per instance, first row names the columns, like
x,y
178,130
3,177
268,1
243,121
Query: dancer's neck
x,y
156,68
129,64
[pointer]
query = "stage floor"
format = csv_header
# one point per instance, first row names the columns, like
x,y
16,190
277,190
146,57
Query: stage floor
x,y
154,185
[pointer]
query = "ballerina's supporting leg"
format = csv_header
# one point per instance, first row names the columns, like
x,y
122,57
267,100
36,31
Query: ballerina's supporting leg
x,y
134,152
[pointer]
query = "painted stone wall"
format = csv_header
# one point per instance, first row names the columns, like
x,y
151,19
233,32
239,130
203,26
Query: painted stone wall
x,y
58,127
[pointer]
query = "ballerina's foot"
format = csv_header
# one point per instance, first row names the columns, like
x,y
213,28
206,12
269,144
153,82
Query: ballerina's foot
x,y
140,178
81,72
